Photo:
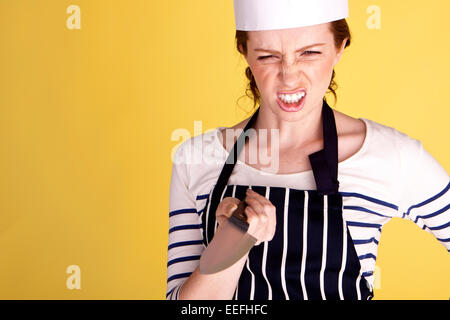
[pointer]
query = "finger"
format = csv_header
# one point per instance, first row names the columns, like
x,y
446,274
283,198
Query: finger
x,y
230,200
253,219
268,207
256,205
262,205
252,194
230,207
227,206
251,214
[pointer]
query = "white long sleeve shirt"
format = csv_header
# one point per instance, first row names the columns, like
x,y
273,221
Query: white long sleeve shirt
x,y
392,175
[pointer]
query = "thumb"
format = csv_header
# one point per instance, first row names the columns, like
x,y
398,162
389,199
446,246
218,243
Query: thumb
x,y
226,207
231,207
227,210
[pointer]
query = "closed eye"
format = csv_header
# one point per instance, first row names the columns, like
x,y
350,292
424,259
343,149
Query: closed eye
x,y
264,57
308,53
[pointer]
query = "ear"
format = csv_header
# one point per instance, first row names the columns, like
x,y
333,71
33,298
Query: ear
x,y
340,51
241,49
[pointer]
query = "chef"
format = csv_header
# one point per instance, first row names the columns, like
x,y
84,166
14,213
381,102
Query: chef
x,y
304,248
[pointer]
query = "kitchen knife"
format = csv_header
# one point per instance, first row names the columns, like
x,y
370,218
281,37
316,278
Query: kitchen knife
x,y
229,244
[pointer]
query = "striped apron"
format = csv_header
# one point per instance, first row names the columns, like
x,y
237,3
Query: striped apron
x,y
311,255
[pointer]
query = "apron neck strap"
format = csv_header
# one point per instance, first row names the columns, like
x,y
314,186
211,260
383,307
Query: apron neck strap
x,y
232,158
324,163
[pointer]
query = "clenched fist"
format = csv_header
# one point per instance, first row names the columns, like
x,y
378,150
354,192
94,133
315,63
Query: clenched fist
x,y
261,216
260,212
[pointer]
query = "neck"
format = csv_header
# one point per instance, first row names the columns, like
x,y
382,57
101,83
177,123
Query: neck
x,y
291,134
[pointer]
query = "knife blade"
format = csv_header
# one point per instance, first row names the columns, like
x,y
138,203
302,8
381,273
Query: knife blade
x,y
229,244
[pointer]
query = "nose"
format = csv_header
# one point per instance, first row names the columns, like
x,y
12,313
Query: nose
x,y
289,69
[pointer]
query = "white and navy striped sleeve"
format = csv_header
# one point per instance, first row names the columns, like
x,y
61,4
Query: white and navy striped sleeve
x,y
185,235
425,196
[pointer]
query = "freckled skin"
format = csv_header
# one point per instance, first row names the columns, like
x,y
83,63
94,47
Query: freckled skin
x,y
300,133
289,69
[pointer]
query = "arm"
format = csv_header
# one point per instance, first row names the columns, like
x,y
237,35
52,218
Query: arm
x,y
261,215
220,285
185,239
425,195
185,233
186,245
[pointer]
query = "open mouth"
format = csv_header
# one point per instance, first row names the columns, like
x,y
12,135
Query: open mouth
x,y
292,102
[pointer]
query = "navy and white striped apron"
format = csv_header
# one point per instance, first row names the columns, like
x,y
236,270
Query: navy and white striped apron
x,y
311,255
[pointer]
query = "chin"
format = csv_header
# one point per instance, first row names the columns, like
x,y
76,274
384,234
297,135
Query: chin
x,y
279,113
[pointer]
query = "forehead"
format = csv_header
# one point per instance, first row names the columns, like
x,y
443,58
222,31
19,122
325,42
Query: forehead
x,y
272,39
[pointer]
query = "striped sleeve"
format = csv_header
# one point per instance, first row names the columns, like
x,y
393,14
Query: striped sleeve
x,y
185,235
425,196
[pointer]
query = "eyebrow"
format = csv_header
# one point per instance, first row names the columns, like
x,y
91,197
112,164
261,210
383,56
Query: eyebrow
x,y
306,47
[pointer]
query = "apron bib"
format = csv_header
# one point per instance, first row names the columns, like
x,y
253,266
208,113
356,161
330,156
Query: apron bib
x,y
311,255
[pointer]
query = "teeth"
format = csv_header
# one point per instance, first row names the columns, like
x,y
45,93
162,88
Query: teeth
x,y
291,98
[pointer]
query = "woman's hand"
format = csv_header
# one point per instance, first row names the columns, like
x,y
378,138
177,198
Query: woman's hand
x,y
225,209
260,212
261,216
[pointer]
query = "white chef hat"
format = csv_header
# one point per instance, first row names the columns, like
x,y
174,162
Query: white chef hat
x,y
253,15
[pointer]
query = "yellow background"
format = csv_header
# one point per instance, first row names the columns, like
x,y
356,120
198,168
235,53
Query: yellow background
x,y
86,118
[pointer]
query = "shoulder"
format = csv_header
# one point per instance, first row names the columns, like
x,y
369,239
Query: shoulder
x,y
199,158
374,131
194,150
406,153
384,138
381,156
226,139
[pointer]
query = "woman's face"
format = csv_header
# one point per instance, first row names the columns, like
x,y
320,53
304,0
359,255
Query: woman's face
x,y
292,59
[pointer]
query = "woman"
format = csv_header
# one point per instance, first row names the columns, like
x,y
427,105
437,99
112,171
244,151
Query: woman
x,y
338,180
